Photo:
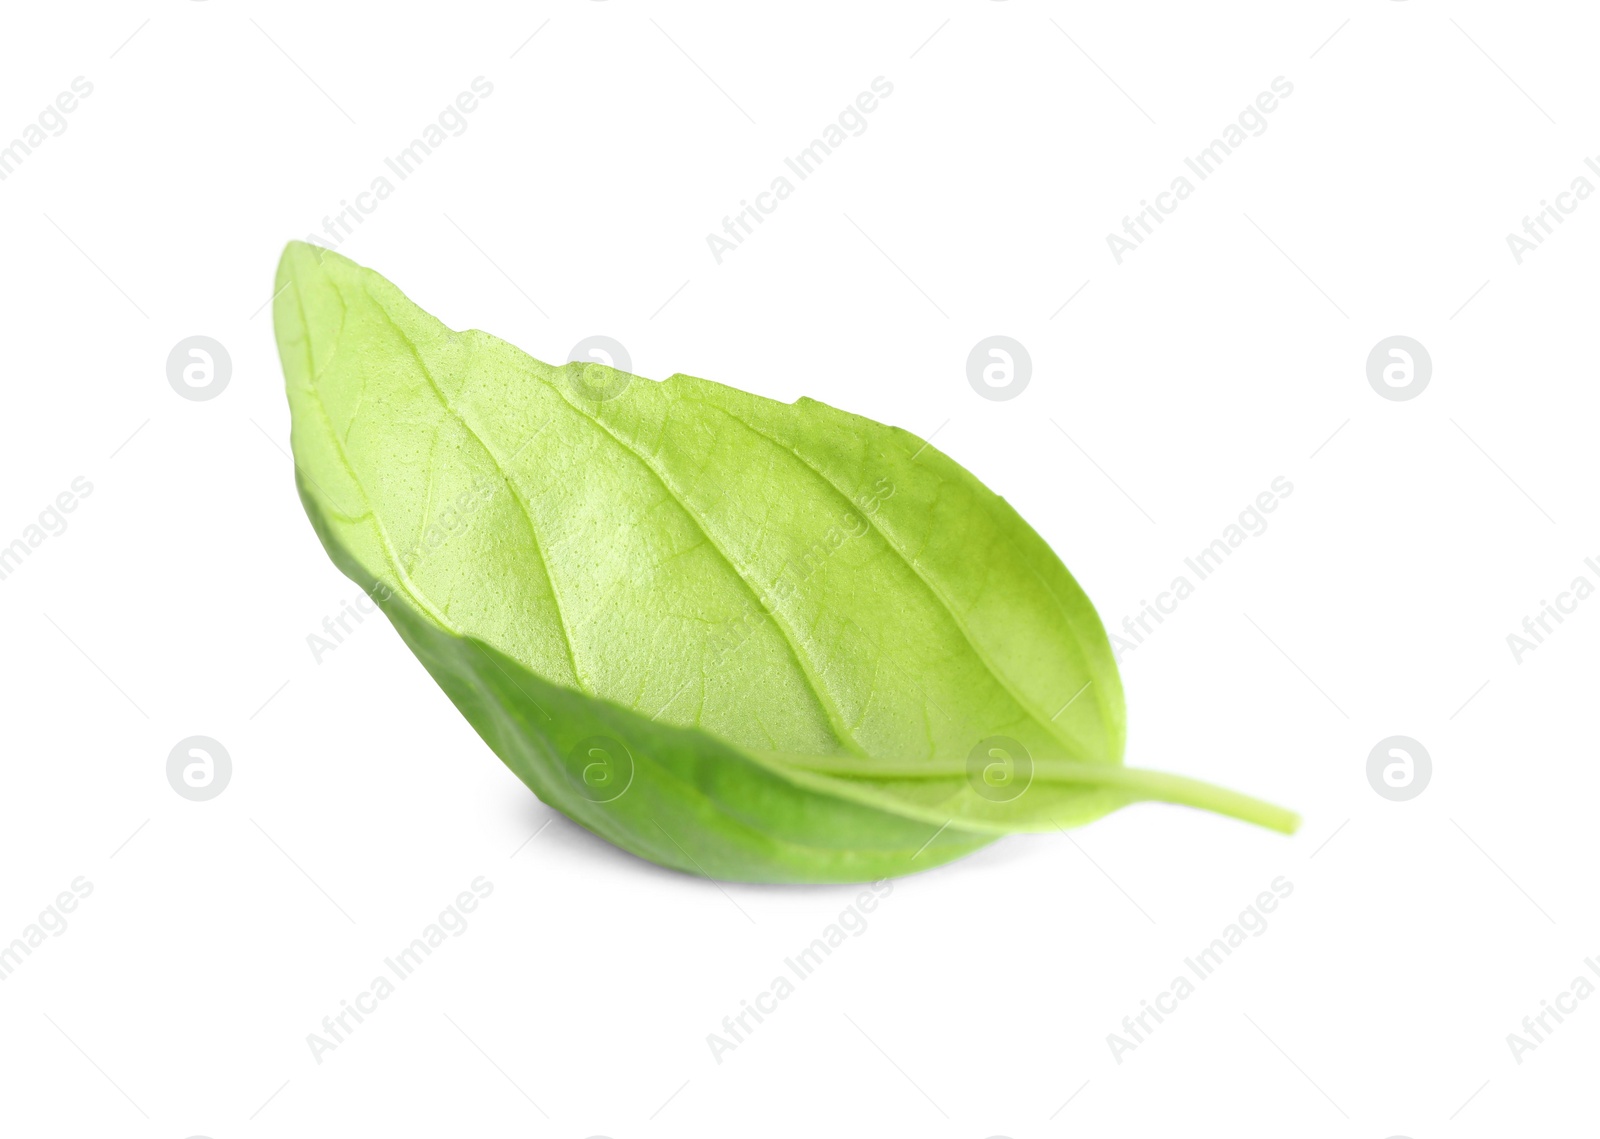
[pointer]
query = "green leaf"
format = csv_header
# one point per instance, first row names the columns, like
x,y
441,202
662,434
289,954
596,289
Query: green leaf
x,y
746,639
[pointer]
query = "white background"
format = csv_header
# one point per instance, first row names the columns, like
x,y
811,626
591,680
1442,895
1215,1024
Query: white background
x,y
1226,351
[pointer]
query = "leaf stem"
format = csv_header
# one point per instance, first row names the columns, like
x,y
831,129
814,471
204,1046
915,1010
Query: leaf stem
x,y
1163,787
1144,784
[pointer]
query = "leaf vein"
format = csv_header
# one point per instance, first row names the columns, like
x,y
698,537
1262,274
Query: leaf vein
x,y
522,503
814,680
938,594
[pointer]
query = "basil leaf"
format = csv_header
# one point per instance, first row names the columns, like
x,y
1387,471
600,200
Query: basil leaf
x,y
746,639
